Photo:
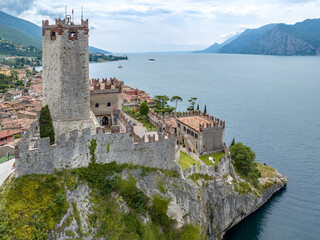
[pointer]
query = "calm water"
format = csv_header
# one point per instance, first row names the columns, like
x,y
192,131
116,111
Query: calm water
x,y
268,103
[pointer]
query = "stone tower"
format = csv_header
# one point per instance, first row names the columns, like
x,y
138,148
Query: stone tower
x,y
65,61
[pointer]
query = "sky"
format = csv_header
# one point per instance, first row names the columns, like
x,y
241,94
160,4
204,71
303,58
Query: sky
x,y
126,26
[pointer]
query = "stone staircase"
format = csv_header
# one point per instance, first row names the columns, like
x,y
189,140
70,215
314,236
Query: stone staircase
x,y
189,143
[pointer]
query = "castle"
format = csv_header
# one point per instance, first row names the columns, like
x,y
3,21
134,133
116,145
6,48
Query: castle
x,y
87,115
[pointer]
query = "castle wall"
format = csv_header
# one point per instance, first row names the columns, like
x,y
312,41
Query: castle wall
x,y
212,140
72,151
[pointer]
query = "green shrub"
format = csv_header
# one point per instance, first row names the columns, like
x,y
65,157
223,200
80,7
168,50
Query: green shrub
x,y
159,214
92,149
17,136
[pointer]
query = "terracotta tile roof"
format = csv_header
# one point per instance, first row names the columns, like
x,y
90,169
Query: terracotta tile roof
x,y
2,105
194,121
23,123
171,122
7,133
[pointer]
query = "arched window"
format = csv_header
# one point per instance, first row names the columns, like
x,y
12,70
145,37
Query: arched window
x,y
73,34
97,104
109,104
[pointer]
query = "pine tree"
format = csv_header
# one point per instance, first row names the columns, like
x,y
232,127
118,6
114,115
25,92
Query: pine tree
x,y
45,124
205,109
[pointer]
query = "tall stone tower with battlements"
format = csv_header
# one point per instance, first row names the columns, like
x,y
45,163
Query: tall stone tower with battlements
x,y
65,61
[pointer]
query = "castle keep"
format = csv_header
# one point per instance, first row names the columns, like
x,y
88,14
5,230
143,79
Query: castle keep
x,y
65,61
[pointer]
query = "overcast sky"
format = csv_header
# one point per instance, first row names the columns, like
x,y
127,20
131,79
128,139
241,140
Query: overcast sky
x,y
165,25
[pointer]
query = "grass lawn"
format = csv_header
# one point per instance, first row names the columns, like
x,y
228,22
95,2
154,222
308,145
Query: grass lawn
x,y
187,161
216,156
136,115
147,124
266,171
5,158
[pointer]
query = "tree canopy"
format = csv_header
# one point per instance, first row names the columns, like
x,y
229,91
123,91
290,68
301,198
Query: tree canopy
x,y
161,101
243,160
45,124
144,108
161,104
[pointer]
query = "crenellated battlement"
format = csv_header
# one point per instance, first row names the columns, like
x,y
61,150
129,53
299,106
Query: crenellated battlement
x,y
112,85
214,123
71,150
65,25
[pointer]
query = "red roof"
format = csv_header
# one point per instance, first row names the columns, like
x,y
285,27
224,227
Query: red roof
x,y
8,133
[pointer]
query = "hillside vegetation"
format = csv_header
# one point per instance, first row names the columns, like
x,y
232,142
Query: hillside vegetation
x,y
21,32
32,206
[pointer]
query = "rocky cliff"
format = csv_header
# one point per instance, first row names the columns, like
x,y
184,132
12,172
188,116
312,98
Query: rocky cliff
x,y
285,40
302,38
130,202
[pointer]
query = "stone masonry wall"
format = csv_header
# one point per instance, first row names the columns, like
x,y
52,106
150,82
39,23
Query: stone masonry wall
x,y
72,151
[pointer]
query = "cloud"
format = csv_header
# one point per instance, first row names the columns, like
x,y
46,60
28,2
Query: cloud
x,y
16,6
162,25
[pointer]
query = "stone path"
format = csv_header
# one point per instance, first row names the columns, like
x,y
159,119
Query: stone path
x,y
6,169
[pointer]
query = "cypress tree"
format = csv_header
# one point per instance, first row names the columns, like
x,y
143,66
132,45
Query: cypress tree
x,y
45,124
205,109
198,106
233,142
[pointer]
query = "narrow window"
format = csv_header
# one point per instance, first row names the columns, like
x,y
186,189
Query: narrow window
x,y
97,104
109,104
53,35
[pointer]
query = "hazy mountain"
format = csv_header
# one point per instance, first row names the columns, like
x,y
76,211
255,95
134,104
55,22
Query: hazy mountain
x,y
19,31
302,38
23,32
299,39
97,50
214,48
245,39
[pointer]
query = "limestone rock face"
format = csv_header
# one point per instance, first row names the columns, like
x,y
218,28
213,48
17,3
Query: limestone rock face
x,y
215,204
283,40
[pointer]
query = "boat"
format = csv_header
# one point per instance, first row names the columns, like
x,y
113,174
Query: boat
x,y
120,66
151,59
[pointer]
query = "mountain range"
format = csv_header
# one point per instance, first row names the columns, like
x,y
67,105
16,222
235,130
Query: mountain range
x,y
302,38
19,31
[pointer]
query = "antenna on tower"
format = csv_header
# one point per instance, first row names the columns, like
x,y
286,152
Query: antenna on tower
x,y
81,14
72,16
65,11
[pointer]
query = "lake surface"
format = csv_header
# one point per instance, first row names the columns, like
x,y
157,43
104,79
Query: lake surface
x,y
269,103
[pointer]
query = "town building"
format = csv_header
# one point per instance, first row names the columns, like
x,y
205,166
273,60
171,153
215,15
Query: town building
x,y
7,135
5,71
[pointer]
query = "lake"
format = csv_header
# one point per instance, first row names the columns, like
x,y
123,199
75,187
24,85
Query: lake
x,y
270,103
